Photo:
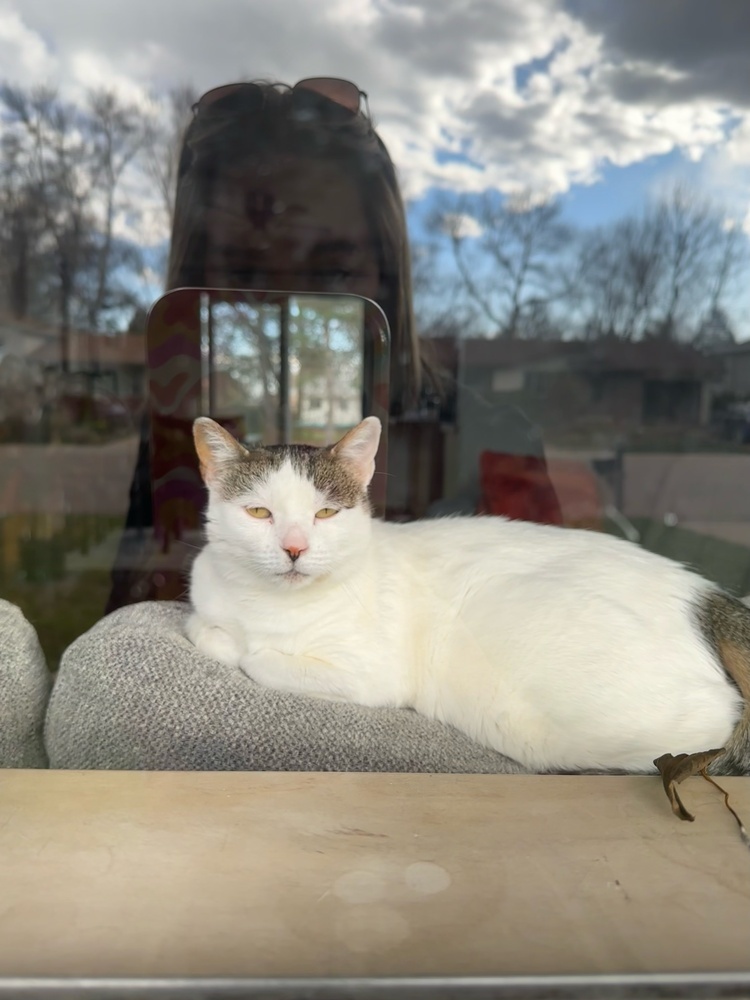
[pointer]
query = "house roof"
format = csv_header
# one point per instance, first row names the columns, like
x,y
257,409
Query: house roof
x,y
653,358
43,343
731,350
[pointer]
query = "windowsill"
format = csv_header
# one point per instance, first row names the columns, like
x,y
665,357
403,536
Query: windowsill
x,y
160,874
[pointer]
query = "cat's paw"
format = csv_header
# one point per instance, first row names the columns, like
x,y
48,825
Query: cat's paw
x,y
259,666
299,675
214,642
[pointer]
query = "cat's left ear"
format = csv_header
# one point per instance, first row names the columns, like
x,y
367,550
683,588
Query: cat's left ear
x,y
359,447
215,447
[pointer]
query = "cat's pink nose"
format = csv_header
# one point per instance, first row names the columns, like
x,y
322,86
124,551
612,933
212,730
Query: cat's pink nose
x,y
294,542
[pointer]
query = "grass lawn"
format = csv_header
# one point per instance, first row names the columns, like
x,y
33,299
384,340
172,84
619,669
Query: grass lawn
x,y
35,573
60,610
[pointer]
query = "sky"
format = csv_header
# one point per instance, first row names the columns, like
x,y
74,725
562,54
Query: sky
x,y
598,102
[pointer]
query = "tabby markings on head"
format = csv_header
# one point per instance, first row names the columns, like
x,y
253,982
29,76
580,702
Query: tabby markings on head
x,y
329,475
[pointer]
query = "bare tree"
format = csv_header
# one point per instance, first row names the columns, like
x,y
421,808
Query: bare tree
x,y
54,157
507,254
618,277
656,272
118,134
730,257
60,176
440,305
714,330
690,231
20,224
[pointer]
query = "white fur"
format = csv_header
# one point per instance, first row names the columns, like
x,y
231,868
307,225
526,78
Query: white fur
x,y
562,649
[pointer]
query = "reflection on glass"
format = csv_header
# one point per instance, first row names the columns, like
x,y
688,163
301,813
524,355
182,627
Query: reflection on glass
x,y
68,441
637,438
592,356
293,370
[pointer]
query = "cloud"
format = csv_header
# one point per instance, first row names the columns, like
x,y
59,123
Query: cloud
x,y
24,55
705,45
461,225
539,94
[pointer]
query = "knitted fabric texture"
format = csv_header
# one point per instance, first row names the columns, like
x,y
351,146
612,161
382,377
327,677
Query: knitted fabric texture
x,y
24,689
133,693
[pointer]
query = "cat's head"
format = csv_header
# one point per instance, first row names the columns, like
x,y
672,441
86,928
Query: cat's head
x,y
291,514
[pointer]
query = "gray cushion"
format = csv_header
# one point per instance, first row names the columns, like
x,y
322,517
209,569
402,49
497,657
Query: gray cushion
x,y
134,693
24,689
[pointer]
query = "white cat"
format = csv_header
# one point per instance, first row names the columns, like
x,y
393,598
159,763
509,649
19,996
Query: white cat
x,y
563,649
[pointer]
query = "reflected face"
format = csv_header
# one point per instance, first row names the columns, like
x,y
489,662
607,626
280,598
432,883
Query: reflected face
x,y
287,226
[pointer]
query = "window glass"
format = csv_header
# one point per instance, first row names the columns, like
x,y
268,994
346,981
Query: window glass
x,y
548,202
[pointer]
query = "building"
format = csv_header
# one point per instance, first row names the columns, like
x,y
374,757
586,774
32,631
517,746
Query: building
x,y
735,362
628,383
568,400
110,363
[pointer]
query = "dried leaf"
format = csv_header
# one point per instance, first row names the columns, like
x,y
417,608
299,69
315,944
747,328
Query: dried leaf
x,y
673,770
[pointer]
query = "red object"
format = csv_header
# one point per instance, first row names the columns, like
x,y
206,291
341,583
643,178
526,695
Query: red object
x,y
579,493
519,487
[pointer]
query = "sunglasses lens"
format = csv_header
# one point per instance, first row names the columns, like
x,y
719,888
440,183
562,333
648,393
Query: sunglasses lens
x,y
341,92
232,97
319,96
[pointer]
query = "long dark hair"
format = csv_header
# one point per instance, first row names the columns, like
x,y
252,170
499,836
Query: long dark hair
x,y
218,139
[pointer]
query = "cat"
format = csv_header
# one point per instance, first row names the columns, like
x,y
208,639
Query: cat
x,y
565,649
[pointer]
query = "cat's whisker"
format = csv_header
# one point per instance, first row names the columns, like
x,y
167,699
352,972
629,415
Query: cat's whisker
x,y
196,548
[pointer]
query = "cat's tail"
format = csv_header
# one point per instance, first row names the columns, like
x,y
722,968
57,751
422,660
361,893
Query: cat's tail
x,y
725,622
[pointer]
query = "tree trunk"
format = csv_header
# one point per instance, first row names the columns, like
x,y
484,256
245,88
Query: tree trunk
x,y
19,275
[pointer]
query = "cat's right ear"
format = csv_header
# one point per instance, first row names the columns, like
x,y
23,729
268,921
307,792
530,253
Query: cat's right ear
x,y
215,447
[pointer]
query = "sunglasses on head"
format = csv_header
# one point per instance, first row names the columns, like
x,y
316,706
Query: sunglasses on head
x,y
337,98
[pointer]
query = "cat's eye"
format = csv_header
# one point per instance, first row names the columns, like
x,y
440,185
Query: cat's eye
x,y
325,512
261,513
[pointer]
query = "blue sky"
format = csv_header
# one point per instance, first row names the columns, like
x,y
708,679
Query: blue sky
x,y
619,191
622,190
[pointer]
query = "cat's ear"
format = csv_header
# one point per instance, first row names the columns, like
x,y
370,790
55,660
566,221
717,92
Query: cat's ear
x,y
359,447
215,447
